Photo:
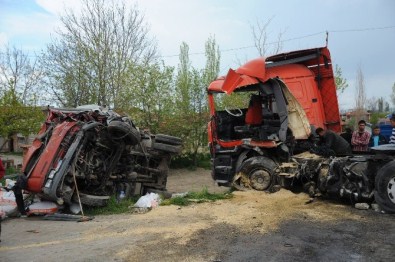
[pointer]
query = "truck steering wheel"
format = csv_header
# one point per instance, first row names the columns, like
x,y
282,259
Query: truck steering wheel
x,y
237,114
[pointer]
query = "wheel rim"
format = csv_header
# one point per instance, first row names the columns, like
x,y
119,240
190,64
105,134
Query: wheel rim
x,y
391,189
240,181
260,179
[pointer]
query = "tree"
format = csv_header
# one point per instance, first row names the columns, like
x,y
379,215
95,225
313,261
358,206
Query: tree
x,y
360,98
19,75
19,94
261,36
191,114
201,80
380,104
148,97
372,104
376,116
386,107
17,118
341,83
89,60
393,95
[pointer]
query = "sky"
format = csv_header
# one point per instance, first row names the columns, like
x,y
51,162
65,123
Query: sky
x,y
361,32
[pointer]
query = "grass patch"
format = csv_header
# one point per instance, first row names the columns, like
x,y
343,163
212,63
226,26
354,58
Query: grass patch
x,y
10,171
113,207
120,207
197,197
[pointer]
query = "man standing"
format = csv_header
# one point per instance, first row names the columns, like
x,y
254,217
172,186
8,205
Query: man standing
x,y
360,138
347,135
377,139
333,141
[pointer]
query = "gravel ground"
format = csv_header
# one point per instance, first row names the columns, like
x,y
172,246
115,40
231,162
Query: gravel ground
x,y
252,226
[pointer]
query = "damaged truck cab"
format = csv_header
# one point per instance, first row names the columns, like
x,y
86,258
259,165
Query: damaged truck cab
x,y
263,117
89,153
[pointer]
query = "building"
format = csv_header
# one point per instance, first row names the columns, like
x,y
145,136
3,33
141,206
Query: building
x,y
15,144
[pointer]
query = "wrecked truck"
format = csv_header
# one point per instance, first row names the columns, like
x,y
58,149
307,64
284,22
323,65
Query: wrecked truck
x,y
91,153
263,118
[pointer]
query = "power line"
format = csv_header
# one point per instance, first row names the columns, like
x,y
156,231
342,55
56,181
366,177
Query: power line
x,y
295,38
285,40
362,29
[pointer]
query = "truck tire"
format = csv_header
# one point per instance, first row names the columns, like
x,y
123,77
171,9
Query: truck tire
x,y
166,139
121,130
260,172
385,187
92,200
167,148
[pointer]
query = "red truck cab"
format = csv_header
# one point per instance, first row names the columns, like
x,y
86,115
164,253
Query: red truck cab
x,y
270,107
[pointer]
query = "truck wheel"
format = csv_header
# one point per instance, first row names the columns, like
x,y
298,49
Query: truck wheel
x,y
92,200
167,148
121,130
259,171
385,187
166,139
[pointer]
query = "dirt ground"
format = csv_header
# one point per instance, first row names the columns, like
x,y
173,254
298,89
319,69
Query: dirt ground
x,y
252,226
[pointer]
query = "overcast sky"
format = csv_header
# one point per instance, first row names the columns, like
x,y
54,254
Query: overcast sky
x,y
361,32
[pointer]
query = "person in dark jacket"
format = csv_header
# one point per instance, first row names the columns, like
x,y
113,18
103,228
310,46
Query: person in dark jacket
x,y
376,138
334,142
347,135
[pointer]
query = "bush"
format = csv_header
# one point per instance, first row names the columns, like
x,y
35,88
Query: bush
x,y
10,171
187,161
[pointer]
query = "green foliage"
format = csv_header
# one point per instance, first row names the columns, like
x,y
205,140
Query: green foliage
x,y
104,56
197,197
10,171
341,83
232,101
148,97
119,207
352,123
19,77
178,201
88,60
190,115
113,207
187,160
17,118
375,116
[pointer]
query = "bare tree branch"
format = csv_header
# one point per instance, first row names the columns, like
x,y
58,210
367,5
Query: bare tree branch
x,y
19,73
90,58
360,98
261,36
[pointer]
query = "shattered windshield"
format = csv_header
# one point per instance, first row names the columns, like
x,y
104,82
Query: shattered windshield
x,y
233,101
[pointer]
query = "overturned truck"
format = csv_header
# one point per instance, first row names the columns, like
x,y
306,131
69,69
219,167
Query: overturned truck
x,y
262,125
92,153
